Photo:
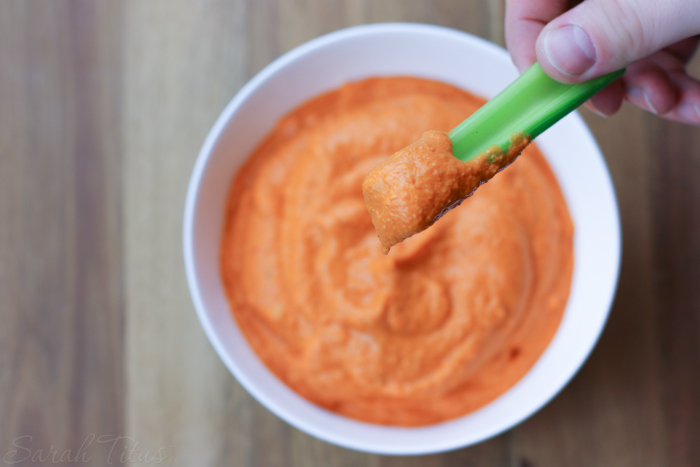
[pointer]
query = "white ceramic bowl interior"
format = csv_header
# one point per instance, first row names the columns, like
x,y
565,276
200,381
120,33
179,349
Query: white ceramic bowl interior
x,y
425,51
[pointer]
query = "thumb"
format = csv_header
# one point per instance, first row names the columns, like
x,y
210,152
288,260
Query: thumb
x,y
601,36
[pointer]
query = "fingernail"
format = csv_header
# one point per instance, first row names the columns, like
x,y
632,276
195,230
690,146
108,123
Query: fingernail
x,y
596,110
569,50
689,112
639,95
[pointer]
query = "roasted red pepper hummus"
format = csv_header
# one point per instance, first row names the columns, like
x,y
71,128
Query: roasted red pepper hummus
x,y
415,187
448,320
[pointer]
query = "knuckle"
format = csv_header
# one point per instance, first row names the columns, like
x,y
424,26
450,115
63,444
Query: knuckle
x,y
633,27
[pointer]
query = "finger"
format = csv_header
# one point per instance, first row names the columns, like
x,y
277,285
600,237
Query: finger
x,y
524,22
609,100
664,59
684,49
687,109
650,87
601,36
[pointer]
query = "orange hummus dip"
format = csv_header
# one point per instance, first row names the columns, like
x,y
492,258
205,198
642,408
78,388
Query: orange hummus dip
x,y
418,185
446,322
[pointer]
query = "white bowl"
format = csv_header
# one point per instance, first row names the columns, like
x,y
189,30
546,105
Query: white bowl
x,y
425,51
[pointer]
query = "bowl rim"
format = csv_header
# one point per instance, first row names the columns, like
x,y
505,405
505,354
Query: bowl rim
x,y
200,167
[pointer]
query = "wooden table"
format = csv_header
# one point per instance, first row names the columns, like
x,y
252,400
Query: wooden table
x,y
103,107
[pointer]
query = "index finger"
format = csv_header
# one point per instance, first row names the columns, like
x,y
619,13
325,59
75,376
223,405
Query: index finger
x,y
525,19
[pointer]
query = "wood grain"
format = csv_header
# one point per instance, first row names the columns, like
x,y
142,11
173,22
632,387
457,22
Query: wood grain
x,y
61,349
103,108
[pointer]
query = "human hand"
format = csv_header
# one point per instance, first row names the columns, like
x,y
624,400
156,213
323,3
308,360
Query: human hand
x,y
654,39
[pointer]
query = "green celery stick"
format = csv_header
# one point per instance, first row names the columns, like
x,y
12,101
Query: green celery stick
x,y
529,105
